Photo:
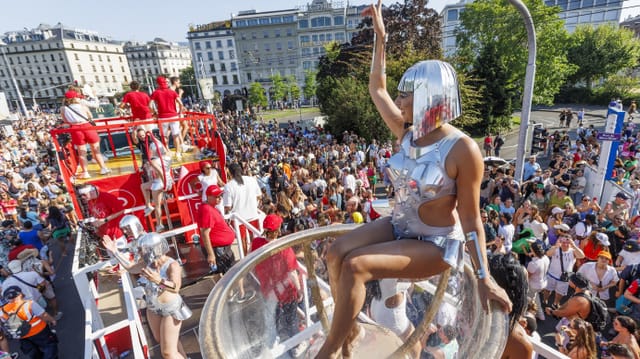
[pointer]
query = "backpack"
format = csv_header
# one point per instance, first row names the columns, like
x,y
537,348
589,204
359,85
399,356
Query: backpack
x,y
499,142
599,315
15,325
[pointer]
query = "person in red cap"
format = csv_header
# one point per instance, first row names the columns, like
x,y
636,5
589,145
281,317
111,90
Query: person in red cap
x,y
78,117
168,106
215,234
280,281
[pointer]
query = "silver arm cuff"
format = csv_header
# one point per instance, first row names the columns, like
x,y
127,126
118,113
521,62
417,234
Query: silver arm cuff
x,y
481,271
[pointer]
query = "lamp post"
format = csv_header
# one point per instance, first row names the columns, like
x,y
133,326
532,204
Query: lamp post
x,y
44,89
528,85
23,108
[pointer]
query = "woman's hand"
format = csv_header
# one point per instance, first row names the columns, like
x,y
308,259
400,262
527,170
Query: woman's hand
x,y
489,290
109,243
151,275
375,11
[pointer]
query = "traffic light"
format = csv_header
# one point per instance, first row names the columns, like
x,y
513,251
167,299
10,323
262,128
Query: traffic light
x,y
538,139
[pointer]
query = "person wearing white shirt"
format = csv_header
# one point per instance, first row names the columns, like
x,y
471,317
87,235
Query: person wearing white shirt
x,y
537,273
241,196
506,231
630,254
601,275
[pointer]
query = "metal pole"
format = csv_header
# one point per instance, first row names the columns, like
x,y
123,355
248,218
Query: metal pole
x,y
528,86
23,108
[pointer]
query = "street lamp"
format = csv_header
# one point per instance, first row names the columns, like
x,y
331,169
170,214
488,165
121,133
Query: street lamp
x,y
44,89
23,108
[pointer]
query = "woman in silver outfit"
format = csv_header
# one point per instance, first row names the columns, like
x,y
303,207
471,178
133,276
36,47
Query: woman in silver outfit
x,y
436,176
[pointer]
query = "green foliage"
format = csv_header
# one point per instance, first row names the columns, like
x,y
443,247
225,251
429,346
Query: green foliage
x,y
278,88
352,109
616,86
494,28
257,95
293,90
602,51
188,80
310,84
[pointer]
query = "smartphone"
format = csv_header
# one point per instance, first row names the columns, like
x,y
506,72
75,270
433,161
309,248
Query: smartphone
x,y
595,199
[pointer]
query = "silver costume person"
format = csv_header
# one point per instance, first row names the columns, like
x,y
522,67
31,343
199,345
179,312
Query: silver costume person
x,y
418,173
152,246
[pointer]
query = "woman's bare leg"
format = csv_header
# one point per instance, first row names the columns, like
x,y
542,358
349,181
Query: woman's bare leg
x,y
82,156
169,335
404,258
154,324
95,148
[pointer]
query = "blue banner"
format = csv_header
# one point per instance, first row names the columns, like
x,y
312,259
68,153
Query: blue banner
x,y
612,131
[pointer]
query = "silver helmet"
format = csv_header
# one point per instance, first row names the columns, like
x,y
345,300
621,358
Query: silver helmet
x,y
436,96
131,226
152,246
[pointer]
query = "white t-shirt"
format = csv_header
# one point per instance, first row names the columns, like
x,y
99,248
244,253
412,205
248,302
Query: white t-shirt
x,y
589,271
206,181
29,292
582,230
568,258
507,232
629,258
537,269
243,199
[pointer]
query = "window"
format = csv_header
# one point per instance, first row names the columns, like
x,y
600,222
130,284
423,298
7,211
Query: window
x,y
243,36
339,37
218,44
90,57
254,35
289,32
234,67
210,56
265,34
278,46
106,78
587,3
212,68
97,79
267,46
264,21
225,81
220,55
207,44
306,65
303,24
99,57
563,4
304,38
287,18
114,79
93,67
197,45
452,15
252,22
52,57
232,54
321,21
276,20
235,79
290,45
223,67
338,20
75,56
248,76
79,68
241,23
277,32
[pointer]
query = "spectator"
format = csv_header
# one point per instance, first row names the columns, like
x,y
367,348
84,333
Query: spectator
x,y
577,340
537,275
563,258
626,329
593,245
37,340
601,275
506,231
241,196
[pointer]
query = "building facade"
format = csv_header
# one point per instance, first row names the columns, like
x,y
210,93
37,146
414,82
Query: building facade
x,y
573,12
215,57
46,59
157,57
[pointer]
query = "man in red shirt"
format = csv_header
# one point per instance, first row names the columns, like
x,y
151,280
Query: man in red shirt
x,y
138,103
107,211
215,234
280,281
168,106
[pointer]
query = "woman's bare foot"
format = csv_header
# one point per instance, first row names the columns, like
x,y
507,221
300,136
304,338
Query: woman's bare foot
x,y
356,334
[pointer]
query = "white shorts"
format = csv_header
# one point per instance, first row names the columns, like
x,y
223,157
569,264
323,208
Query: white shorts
x,y
559,287
173,126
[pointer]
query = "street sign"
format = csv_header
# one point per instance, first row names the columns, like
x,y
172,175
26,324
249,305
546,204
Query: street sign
x,y
606,136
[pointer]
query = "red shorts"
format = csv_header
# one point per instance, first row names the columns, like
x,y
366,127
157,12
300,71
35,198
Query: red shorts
x,y
83,134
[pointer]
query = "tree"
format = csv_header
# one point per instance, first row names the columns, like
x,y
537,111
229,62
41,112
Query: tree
x,y
278,88
257,95
310,84
293,90
408,24
188,80
601,52
494,28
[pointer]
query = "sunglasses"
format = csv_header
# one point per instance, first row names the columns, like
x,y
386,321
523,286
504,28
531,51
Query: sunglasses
x,y
208,168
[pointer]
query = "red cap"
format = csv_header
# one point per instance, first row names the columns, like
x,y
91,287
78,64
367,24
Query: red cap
x,y
204,164
214,190
272,222
72,94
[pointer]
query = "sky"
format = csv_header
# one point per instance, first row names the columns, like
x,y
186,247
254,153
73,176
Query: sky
x,y
143,20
